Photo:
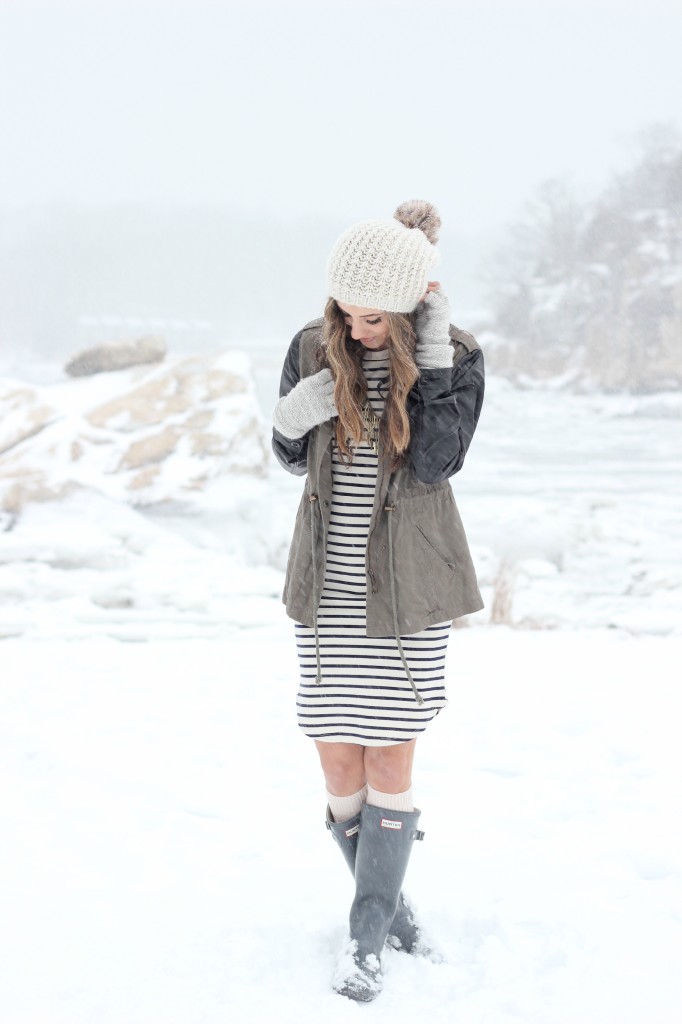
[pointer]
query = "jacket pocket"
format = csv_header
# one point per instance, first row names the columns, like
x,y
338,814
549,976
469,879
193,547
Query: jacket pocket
x,y
433,548
436,574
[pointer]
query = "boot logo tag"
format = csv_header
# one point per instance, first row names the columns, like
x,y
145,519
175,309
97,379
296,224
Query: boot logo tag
x,y
352,831
387,823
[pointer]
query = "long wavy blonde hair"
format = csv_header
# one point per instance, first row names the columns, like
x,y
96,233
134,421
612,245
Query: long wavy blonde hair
x,y
343,356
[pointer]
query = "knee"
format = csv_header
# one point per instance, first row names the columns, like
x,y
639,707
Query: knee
x,y
389,769
344,771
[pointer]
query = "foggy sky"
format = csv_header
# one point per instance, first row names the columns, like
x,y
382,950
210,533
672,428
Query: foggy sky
x,y
341,109
169,161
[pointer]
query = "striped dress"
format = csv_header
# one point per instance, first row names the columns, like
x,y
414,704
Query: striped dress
x,y
365,696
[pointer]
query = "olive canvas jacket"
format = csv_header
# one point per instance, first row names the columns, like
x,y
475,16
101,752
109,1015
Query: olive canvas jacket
x,y
418,565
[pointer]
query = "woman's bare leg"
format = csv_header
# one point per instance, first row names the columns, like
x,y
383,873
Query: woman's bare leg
x,y
389,769
343,767
348,766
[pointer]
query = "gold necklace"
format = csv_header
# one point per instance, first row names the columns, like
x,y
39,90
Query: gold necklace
x,y
371,421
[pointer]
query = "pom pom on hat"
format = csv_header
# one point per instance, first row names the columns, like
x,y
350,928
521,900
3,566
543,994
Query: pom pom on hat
x,y
384,264
417,213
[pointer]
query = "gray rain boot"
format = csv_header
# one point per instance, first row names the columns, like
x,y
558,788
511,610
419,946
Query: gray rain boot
x,y
384,846
403,932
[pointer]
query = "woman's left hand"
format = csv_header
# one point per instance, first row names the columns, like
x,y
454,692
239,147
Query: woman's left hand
x,y
433,286
432,324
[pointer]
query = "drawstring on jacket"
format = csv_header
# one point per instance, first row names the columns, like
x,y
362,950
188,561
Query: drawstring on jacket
x,y
394,605
313,499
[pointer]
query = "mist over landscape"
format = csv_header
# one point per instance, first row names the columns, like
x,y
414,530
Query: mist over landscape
x,y
202,276
583,289
174,169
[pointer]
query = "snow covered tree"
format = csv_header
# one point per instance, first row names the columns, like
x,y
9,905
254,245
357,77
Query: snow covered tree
x,y
592,291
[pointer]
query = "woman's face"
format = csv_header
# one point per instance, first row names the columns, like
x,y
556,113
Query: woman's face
x,y
368,326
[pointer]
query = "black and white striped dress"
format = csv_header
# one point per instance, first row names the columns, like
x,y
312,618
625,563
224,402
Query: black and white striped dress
x,y
365,696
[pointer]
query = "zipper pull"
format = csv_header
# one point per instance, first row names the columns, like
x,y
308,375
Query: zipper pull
x,y
373,578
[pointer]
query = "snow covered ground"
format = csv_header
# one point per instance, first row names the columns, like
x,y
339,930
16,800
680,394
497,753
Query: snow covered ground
x,y
163,861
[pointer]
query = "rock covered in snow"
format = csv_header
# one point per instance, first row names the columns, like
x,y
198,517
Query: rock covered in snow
x,y
152,435
117,355
24,412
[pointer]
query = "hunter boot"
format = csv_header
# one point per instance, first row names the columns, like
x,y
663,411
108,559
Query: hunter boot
x,y
404,932
384,846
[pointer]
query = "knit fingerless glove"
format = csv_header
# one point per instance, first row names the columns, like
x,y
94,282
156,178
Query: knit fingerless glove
x,y
432,322
309,403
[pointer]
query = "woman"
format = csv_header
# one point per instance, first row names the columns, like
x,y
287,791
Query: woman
x,y
379,400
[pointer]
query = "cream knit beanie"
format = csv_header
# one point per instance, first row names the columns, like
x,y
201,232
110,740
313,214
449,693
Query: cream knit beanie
x,y
384,264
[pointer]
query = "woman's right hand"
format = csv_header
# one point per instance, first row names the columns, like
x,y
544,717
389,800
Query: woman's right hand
x,y
309,403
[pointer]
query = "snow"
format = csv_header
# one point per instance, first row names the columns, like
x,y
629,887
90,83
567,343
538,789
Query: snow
x,y
163,859
170,430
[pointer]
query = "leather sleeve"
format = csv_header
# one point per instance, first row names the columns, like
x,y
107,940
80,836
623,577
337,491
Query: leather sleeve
x,y
444,406
292,455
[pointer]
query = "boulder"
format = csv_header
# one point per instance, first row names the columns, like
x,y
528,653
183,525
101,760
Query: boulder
x,y
24,412
166,434
118,355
